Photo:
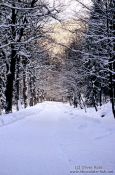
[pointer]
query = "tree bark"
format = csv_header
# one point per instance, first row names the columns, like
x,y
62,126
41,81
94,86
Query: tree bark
x,y
24,85
17,83
11,74
10,81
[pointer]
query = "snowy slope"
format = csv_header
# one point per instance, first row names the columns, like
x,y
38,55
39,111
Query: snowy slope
x,y
56,139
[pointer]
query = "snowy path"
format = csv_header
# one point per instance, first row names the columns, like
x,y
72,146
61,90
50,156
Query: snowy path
x,y
53,139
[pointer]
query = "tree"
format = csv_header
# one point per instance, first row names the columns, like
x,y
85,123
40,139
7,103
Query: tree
x,y
21,25
110,11
98,53
96,72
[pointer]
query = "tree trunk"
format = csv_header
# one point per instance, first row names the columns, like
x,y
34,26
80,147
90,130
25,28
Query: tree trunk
x,y
110,6
10,81
24,88
17,83
112,56
11,74
100,97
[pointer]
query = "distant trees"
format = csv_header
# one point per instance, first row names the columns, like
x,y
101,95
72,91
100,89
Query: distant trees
x,y
73,81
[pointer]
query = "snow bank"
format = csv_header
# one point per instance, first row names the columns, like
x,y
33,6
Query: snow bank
x,y
105,112
6,119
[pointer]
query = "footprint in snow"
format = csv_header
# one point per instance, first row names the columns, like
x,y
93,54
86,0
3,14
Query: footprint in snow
x,y
82,126
103,136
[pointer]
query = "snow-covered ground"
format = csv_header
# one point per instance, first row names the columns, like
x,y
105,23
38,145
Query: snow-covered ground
x,y
56,139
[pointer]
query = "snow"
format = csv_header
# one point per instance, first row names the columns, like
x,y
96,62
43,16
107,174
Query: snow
x,y
52,138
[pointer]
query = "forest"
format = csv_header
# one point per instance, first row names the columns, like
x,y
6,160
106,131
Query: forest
x,y
75,65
